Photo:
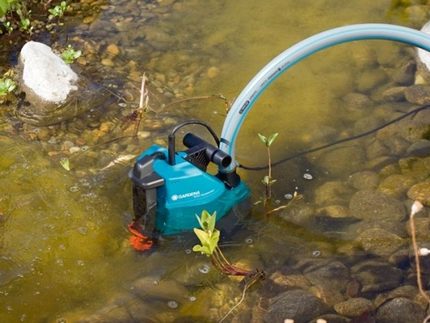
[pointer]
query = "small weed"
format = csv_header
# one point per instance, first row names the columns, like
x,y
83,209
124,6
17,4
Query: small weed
x,y
268,180
69,55
58,11
65,163
7,85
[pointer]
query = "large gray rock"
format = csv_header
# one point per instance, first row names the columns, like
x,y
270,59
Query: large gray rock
x,y
46,74
54,92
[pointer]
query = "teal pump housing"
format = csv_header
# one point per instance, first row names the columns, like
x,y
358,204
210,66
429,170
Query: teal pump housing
x,y
170,188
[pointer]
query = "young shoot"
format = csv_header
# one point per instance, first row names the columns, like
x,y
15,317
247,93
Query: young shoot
x,y
7,85
209,236
58,11
268,180
69,55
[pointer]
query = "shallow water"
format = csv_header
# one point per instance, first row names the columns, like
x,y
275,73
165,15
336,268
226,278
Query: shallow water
x,y
63,234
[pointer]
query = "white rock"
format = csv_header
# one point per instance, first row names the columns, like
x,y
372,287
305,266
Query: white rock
x,y
46,74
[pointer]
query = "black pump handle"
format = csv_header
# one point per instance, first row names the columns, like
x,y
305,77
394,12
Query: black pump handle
x,y
171,137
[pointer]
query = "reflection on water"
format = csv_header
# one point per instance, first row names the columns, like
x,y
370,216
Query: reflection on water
x,y
63,234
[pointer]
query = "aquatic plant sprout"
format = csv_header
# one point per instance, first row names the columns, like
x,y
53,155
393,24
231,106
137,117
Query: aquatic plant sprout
x,y
249,95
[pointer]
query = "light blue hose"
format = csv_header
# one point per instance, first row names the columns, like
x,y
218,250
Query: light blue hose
x,y
244,102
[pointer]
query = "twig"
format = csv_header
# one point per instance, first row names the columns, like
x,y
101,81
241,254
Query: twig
x,y
255,278
296,197
416,207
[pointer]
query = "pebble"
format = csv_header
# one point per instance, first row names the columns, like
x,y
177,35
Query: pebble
x,y
112,50
107,62
354,307
420,192
212,72
400,310
74,149
380,242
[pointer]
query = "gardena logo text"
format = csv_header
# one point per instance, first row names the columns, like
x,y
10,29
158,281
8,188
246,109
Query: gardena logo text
x,y
176,197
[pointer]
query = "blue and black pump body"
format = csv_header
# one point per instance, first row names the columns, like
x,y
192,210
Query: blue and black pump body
x,y
170,188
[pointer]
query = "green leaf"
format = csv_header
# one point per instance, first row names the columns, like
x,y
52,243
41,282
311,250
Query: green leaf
x,y
266,180
211,220
65,163
214,241
203,236
271,139
262,138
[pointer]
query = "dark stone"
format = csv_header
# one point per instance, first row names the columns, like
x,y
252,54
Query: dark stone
x,y
298,305
334,274
400,310
405,74
420,148
394,94
376,276
418,94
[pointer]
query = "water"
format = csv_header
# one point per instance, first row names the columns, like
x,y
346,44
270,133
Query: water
x,y
63,234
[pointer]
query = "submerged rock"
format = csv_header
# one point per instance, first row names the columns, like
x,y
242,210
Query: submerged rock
x,y
376,276
400,310
380,242
297,305
354,307
420,192
374,205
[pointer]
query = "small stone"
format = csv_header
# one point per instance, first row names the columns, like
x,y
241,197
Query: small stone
x,y
112,50
400,310
297,305
374,205
364,180
420,148
212,72
290,281
143,134
334,211
107,62
405,75
394,94
406,291
380,242
354,307
396,185
418,94
420,192
376,276
74,149
88,20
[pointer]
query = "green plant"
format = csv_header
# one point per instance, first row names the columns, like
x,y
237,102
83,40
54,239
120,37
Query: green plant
x,y
65,163
58,11
7,85
209,236
69,55
5,6
268,180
